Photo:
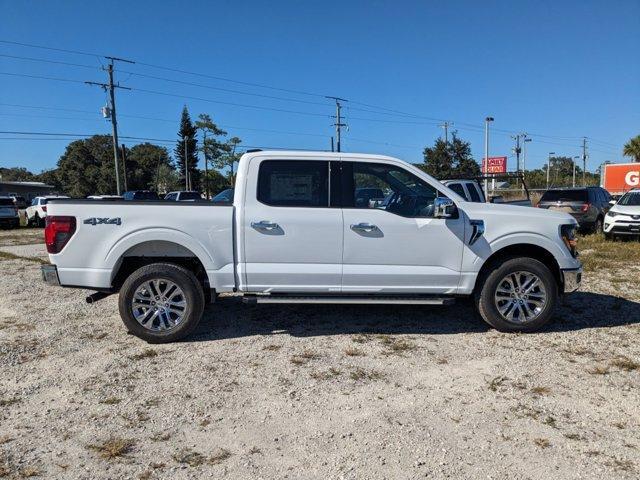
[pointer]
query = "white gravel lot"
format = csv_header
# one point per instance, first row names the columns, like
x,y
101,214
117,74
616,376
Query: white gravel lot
x,y
317,391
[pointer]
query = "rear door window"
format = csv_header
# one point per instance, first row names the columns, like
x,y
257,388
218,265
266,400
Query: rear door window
x,y
457,187
473,191
294,183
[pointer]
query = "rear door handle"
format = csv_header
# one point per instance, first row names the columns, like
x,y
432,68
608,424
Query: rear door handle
x,y
264,225
364,227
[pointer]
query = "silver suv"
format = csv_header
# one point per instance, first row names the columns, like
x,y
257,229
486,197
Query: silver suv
x,y
588,205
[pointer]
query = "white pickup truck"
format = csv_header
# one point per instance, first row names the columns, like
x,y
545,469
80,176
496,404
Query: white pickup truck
x,y
295,233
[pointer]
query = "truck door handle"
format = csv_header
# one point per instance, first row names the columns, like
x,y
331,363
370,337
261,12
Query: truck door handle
x,y
264,225
364,227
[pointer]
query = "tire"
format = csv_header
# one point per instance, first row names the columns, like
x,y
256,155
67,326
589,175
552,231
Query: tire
x,y
159,326
491,295
597,226
608,236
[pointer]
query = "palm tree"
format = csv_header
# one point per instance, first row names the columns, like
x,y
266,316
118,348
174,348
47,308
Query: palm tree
x,y
632,148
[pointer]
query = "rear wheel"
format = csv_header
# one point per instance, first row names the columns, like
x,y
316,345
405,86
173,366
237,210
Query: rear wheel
x,y
161,302
518,295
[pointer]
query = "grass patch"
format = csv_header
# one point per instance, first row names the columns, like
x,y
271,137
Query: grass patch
x,y
113,448
7,402
540,391
146,353
598,370
326,375
27,472
12,256
353,352
396,346
360,374
272,348
625,363
189,457
304,357
542,442
599,253
111,401
496,382
219,456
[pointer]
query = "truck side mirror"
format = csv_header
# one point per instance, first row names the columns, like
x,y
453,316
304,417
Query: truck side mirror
x,y
612,202
443,207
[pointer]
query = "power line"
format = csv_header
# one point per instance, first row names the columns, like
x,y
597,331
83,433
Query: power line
x,y
57,62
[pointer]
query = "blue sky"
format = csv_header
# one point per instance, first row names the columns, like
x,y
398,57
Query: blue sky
x,y
558,70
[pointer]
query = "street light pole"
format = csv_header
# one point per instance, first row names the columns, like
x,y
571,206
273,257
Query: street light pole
x,y
549,167
487,120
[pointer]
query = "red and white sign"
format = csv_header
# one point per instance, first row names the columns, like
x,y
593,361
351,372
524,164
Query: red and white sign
x,y
495,165
618,178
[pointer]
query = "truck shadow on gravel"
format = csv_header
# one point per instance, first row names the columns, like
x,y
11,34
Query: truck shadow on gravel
x,y
229,318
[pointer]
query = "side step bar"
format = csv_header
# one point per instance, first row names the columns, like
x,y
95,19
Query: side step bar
x,y
349,299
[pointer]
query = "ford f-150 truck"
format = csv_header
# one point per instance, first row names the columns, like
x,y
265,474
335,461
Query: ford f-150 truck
x,y
295,233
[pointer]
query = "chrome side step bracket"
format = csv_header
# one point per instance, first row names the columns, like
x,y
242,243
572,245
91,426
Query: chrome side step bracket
x,y
350,299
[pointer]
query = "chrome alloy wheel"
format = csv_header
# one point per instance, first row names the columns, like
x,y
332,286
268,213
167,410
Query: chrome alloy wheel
x,y
159,305
520,297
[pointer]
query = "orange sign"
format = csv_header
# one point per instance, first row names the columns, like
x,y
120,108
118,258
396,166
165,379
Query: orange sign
x,y
495,165
618,178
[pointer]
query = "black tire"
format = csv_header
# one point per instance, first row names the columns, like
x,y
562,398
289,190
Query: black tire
x,y
184,279
597,226
488,285
608,236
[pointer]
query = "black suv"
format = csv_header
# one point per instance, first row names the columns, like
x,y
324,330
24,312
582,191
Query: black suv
x,y
588,205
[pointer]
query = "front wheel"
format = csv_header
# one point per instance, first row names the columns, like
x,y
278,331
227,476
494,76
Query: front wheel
x,y
161,302
518,295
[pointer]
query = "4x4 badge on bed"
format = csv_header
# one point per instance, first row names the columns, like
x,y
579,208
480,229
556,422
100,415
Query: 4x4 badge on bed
x,y
101,221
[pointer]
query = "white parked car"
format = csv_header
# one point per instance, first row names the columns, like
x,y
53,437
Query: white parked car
x,y
623,218
37,211
183,196
295,233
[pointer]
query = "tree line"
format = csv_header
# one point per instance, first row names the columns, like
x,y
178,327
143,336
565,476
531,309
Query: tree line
x,y
86,166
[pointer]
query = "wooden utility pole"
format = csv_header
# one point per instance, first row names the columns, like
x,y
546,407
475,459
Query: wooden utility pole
x,y
338,124
112,110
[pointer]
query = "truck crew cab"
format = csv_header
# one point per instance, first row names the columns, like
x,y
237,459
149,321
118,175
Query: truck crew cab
x,y
297,232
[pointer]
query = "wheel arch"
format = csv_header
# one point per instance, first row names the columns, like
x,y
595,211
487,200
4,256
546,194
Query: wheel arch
x,y
528,250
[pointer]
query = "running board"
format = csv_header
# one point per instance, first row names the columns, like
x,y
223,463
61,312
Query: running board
x,y
349,300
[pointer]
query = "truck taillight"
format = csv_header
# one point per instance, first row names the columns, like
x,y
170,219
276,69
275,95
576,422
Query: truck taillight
x,y
58,231
585,207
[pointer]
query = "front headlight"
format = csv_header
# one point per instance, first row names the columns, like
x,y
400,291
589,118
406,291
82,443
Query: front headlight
x,y
568,235
611,214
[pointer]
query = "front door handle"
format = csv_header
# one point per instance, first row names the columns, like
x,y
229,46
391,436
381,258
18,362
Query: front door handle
x,y
364,227
264,225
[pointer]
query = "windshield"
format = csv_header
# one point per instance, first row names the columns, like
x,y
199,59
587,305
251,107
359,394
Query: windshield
x,y
224,196
145,196
565,196
6,201
631,199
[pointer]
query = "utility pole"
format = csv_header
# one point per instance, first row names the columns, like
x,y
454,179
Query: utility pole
x,y
517,150
124,167
338,123
206,168
524,156
114,124
186,165
487,120
549,167
584,160
574,170
446,126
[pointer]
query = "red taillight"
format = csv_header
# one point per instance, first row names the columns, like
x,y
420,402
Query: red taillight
x,y
585,207
58,231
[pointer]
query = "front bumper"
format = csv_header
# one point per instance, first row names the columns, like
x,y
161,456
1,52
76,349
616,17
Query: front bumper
x,y
571,279
622,225
50,274
10,221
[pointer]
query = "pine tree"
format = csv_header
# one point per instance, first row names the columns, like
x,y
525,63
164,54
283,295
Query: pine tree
x,y
187,131
437,161
450,160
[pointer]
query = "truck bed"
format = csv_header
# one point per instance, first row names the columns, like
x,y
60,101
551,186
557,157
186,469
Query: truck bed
x,y
107,231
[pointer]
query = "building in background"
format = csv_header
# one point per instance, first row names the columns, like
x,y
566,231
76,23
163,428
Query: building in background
x,y
27,190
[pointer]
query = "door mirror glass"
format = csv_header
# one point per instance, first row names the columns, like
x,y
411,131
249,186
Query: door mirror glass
x,y
443,207
612,202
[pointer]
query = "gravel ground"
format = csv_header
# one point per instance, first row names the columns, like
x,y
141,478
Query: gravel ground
x,y
317,391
